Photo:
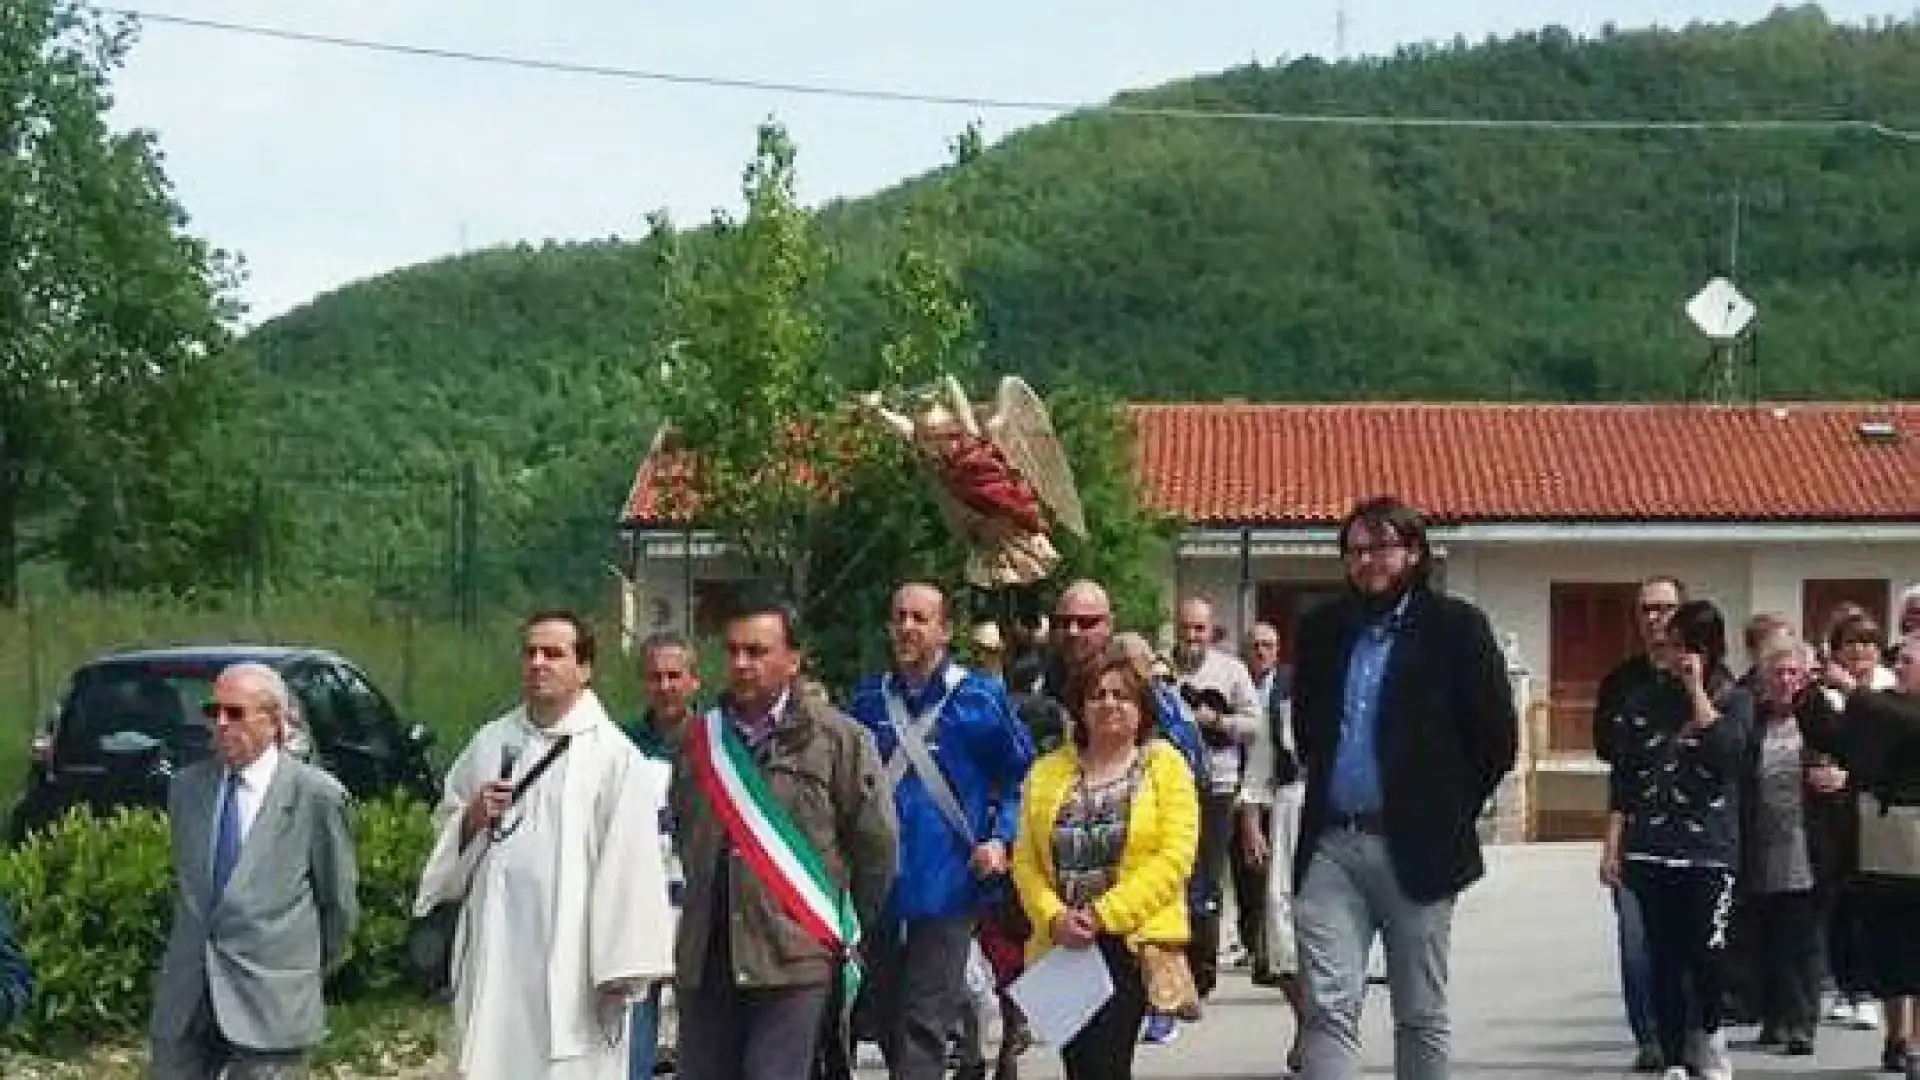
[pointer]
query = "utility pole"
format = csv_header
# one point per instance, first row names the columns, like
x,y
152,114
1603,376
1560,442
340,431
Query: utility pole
x,y
1733,238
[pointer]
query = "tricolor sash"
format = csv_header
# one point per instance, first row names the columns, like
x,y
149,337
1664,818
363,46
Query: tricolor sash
x,y
775,849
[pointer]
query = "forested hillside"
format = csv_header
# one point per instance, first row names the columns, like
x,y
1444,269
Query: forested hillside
x,y
1196,258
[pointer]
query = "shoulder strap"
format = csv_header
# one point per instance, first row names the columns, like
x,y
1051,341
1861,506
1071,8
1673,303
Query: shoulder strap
x,y
910,732
546,762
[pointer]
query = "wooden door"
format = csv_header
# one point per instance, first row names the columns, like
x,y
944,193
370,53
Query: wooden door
x,y
1819,597
1593,626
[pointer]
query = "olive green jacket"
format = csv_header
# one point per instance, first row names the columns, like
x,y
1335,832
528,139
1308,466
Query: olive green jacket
x,y
824,769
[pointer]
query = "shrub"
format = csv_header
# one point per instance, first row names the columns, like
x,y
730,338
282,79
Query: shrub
x,y
92,897
393,837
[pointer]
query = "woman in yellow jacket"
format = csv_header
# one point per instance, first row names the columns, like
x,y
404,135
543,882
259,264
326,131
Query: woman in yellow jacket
x,y
1108,832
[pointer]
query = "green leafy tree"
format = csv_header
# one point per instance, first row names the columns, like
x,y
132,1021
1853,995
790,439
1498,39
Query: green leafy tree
x,y
811,493
113,320
1128,548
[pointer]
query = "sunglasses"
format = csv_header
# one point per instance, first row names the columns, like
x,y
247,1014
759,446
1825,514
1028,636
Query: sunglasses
x,y
1082,622
1659,609
215,711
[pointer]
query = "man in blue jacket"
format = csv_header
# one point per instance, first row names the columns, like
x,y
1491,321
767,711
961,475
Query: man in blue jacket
x,y
956,755
16,978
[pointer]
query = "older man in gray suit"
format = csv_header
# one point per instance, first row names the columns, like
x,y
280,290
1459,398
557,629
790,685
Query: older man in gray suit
x,y
263,900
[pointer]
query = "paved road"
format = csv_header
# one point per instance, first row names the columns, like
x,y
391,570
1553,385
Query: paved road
x,y
1535,994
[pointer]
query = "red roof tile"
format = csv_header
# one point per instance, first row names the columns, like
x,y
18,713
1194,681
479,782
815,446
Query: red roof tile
x,y
1306,464
1214,463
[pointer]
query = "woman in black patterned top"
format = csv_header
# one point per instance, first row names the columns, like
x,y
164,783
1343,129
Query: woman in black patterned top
x,y
1674,825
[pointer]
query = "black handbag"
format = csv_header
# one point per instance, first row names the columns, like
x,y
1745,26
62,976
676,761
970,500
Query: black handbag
x,y
427,952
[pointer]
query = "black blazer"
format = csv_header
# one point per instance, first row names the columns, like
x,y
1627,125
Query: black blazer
x,y
1448,733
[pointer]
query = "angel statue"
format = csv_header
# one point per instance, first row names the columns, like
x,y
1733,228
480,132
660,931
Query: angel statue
x,y
993,478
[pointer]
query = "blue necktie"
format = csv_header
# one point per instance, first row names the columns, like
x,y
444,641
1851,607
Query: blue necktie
x,y
226,841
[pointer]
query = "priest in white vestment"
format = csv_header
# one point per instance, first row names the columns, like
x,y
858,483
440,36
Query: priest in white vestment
x,y
565,916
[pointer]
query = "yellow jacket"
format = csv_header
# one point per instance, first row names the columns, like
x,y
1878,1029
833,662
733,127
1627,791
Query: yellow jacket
x,y
1148,901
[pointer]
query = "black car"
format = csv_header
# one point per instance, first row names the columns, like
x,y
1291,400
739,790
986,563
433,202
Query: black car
x,y
128,721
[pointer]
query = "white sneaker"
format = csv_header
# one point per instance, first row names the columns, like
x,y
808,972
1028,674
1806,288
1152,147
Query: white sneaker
x,y
1710,1056
1841,1012
1678,1072
1866,1016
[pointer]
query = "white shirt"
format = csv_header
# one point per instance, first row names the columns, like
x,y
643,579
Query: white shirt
x,y
1226,673
254,779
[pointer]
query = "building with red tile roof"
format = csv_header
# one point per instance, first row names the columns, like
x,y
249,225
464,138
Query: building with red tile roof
x,y
1546,515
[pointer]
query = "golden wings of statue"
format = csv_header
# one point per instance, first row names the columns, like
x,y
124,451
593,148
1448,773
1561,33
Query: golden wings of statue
x,y
999,480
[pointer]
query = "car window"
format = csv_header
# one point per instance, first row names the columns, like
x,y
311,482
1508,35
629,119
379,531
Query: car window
x,y
314,685
372,718
123,709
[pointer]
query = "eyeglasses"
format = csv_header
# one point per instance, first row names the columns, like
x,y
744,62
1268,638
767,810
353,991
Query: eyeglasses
x,y
1657,608
216,712
1082,622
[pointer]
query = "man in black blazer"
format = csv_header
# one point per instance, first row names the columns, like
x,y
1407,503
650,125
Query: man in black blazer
x,y
1405,721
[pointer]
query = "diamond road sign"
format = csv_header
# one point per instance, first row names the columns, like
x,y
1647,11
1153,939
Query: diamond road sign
x,y
1720,311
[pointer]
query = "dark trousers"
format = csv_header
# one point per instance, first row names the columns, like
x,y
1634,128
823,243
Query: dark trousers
x,y
732,1034
918,993
1249,900
1849,945
1216,836
1786,952
1104,1048
1687,912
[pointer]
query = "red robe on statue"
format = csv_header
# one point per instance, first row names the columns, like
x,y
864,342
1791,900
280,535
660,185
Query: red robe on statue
x,y
977,473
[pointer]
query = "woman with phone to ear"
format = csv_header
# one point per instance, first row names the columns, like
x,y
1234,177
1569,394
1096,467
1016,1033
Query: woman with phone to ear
x,y
1673,829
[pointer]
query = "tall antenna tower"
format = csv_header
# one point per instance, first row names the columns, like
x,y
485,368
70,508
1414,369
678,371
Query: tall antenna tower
x,y
1340,32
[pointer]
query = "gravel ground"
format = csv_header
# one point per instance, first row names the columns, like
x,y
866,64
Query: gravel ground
x,y
129,1064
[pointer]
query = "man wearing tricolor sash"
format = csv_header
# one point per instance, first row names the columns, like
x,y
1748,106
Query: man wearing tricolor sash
x,y
549,840
787,839
956,755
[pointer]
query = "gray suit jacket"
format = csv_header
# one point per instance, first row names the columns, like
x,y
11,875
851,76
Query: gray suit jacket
x,y
260,952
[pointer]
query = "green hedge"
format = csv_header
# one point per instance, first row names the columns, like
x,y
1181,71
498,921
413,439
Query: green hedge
x,y
92,898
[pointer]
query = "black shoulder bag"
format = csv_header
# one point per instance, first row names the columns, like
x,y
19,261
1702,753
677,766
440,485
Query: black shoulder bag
x,y
428,949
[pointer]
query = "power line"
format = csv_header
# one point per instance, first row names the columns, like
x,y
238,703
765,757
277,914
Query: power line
x,y
1001,104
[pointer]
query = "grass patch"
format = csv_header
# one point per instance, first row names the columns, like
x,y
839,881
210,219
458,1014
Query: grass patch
x,y
400,1037
446,677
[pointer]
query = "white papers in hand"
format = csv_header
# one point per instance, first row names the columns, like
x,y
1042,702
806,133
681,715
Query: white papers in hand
x,y
1061,991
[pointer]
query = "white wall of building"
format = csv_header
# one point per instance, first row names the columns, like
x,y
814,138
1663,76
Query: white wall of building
x,y
1512,581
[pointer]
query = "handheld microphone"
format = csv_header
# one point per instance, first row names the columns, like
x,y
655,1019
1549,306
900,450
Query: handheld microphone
x,y
509,757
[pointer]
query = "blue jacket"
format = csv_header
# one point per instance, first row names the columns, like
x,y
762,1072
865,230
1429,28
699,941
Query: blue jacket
x,y
16,978
984,751
1176,725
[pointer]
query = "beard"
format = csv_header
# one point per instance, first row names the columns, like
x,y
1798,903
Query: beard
x,y
1389,598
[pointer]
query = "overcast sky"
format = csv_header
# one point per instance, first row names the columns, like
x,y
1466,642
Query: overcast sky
x,y
323,165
